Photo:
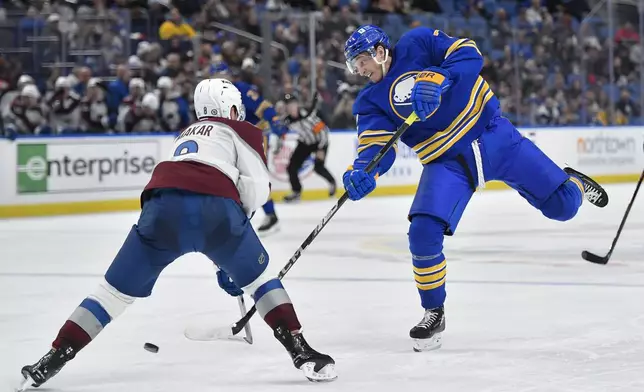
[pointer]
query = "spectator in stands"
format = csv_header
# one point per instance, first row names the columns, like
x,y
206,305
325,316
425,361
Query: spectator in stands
x,y
172,66
64,107
8,95
143,117
25,116
175,27
627,34
173,108
500,29
342,116
626,108
118,90
537,15
137,91
94,112
548,112
32,23
83,76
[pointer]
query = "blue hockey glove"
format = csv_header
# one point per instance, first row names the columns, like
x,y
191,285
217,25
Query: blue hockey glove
x,y
227,284
426,93
358,183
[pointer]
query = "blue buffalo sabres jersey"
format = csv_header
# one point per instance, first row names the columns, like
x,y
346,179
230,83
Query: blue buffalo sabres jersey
x,y
259,112
464,111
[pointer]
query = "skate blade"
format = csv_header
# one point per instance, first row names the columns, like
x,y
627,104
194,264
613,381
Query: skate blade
x,y
25,384
206,334
326,374
433,343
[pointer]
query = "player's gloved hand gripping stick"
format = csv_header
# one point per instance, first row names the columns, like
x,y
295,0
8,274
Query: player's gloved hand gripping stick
x,y
226,332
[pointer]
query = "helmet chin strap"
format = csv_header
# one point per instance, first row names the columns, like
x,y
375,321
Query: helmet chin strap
x,y
382,63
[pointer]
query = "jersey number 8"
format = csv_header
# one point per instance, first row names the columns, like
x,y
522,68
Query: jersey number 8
x,y
187,147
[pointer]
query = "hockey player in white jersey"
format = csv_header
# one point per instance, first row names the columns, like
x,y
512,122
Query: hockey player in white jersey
x,y
199,199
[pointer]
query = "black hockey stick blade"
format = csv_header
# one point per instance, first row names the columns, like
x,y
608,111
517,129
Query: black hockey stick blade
x,y
593,258
239,325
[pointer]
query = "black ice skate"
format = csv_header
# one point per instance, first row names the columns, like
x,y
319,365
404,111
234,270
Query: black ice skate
x,y
427,334
47,367
594,193
315,366
293,197
270,225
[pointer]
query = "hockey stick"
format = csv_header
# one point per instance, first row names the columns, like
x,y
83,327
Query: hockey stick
x,y
235,328
207,333
593,258
199,332
242,309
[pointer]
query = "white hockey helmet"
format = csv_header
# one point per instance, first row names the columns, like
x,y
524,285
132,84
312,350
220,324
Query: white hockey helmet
x,y
150,101
215,98
62,82
136,82
164,82
30,90
25,80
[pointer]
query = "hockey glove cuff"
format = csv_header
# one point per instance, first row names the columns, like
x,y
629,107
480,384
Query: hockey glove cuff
x,y
227,284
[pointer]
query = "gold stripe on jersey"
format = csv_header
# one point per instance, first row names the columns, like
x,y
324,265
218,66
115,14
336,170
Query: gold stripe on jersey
x,y
374,138
432,148
461,43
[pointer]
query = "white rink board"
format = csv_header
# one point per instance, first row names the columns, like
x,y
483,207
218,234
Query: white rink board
x,y
98,168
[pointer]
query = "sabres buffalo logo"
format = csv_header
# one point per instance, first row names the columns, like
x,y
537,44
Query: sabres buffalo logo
x,y
400,94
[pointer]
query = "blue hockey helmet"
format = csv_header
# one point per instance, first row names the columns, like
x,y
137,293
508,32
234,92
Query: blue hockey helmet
x,y
364,39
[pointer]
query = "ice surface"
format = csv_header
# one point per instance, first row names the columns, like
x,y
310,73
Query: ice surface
x,y
524,311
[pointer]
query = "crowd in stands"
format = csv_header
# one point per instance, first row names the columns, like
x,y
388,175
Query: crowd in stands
x,y
130,65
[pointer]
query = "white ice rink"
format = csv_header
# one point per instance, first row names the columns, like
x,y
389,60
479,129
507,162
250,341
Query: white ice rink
x,y
524,311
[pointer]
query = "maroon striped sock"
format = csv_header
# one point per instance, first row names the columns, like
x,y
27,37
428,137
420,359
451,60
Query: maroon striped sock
x,y
71,335
283,314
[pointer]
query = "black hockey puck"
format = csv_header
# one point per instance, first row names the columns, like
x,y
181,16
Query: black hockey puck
x,y
153,348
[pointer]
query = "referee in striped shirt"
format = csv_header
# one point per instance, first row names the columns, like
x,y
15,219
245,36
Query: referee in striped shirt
x,y
313,138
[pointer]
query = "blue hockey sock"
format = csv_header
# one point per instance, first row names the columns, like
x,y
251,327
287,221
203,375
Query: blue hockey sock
x,y
426,246
269,207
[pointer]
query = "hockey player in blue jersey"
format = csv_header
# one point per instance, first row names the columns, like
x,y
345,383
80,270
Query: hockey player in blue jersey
x,y
461,139
262,114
